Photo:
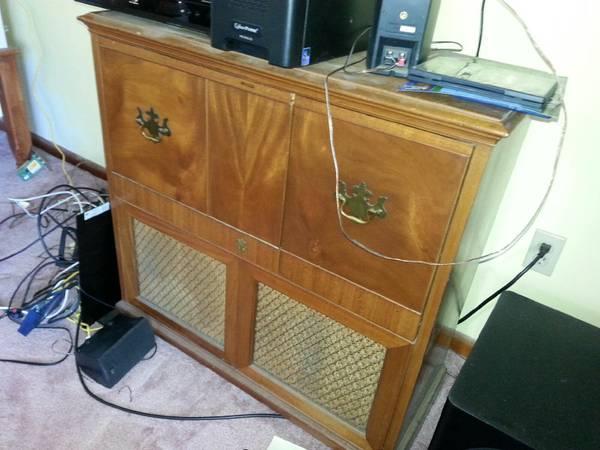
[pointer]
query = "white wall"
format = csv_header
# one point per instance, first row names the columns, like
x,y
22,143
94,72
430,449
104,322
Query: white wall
x,y
48,33
569,33
2,33
3,42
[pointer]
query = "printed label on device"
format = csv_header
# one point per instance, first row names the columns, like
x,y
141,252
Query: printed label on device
x,y
305,56
244,27
96,211
408,29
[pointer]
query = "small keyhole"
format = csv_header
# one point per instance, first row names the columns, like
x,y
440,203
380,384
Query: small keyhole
x,y
242,245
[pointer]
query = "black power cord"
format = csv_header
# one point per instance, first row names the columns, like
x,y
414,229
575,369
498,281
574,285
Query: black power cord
x,y
42,363
162,416
544,249
43,222
481,23
12,216
75,345
27,247
41,236
60,259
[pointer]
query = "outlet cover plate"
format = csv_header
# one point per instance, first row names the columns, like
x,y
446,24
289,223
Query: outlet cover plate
x,y
547,263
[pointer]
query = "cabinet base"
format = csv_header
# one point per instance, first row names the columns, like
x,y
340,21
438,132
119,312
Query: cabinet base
x,y
240,380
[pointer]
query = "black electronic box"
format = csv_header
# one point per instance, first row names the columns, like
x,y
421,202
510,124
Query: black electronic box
x,y
402,34
187,13
287,33
290,33
113,351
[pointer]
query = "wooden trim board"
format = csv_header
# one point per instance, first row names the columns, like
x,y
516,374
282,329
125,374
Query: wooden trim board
x,y
13,104
459,343
462,345
71,157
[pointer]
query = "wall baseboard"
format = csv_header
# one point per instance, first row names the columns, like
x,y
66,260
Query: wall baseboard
x,y
71,157
457,342
462,345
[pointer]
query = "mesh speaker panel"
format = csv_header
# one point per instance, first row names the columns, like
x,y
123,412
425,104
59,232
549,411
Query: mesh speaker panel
x,y
333,366
181,282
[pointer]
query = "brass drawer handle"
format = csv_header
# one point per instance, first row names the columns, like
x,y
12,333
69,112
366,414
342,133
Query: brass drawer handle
x,y
151,128
356,206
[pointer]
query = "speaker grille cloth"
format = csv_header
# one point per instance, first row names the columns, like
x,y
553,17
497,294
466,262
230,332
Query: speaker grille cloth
x,y
181,282
332,365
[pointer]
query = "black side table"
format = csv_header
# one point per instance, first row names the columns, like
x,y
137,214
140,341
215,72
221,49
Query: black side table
x,y
532,381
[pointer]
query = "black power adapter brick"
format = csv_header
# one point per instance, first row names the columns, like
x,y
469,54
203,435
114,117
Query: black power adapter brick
x,y
115,349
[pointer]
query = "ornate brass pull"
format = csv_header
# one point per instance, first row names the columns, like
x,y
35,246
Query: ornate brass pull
x,y
356,206
151,128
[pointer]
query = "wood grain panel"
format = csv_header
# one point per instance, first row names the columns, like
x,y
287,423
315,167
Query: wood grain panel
x,y
241,313
335,427
327,308
248,142
176,166
421,182
13,106
124,245
472,181
377,96
194,222
352,297
389,388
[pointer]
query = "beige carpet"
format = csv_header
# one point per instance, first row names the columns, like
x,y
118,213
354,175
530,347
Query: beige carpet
x,y
46,408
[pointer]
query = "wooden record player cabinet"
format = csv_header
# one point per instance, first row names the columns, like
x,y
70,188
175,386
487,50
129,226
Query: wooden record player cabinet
x,y
223,192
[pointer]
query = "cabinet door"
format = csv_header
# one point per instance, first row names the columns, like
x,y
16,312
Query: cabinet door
x,y
174,277
326,362
420,174
248,141
154,118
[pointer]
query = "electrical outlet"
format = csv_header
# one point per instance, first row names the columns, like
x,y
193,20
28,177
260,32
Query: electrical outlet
x,y
547,263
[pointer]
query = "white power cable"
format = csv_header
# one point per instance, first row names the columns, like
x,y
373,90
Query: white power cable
x,y
20,202
72,266
23,203
61,202
60,308
480,259
65,301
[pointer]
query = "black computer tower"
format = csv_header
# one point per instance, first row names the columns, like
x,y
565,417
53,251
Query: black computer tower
x,y
290,33
402,34
98,271
194,14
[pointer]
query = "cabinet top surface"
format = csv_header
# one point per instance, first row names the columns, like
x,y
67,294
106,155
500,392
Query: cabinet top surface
x,y
373,94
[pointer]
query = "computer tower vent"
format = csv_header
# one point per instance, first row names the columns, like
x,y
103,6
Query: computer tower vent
x,y
254,5
182,283
327,363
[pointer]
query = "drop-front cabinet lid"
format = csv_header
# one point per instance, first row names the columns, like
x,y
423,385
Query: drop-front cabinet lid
x,y
372,94
156,136
253,150
414,175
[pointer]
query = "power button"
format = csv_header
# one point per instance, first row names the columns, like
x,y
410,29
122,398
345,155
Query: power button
x,y
404,15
